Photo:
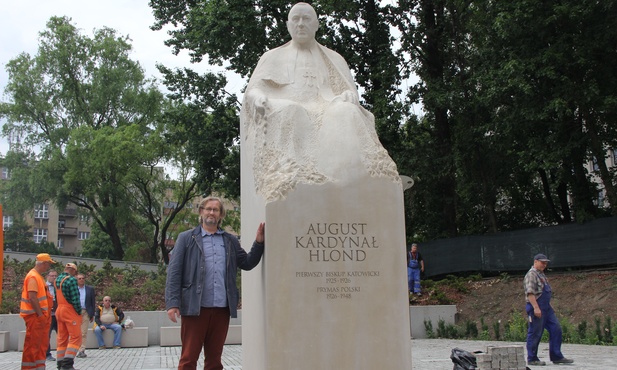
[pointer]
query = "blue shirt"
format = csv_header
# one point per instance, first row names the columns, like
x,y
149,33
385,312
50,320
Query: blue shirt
x,y
82,296
52,291
214,293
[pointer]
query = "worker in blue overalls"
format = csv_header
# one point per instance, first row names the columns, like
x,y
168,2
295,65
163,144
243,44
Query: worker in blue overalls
x,y
415,265
540,315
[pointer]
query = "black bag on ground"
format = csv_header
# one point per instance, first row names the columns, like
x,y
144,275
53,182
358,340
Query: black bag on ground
x,y
463,360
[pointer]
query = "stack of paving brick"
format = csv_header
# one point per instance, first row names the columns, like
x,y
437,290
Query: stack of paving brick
x,y
501,358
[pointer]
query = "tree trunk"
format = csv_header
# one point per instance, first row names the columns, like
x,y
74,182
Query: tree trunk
x,y
604,173
548,196
434,65
116,242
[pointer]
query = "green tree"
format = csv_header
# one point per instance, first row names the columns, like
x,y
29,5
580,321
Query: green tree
x,y
18,237
511,116
433,41
551,85
203,120
98,124
98,245
17,194
511,112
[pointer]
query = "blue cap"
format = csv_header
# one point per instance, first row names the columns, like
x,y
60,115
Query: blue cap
x,y
541,257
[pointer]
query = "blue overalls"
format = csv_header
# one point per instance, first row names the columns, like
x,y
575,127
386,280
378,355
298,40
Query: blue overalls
x,y
413,274
537,325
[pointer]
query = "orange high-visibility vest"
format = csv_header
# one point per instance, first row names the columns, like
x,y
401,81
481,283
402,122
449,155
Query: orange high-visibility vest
x,y
43,295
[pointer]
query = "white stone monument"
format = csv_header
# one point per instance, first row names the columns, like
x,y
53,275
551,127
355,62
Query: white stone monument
x,y
331,292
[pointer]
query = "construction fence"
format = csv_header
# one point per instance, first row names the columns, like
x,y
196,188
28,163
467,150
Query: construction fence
x,y
567,246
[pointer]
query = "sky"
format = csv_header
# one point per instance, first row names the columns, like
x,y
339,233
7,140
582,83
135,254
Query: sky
x,y
21,21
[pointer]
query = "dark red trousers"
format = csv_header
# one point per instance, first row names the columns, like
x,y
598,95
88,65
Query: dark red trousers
x,y
207,331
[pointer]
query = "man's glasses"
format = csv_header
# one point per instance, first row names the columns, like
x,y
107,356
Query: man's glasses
x,y
208,210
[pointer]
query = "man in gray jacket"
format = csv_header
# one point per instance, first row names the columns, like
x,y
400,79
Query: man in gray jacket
x,y
201,284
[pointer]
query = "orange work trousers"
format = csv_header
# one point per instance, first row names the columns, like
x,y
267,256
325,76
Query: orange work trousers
x,y
36,342
69,331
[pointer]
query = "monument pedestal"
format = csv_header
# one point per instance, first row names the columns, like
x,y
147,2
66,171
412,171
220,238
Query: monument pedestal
x,y
331,292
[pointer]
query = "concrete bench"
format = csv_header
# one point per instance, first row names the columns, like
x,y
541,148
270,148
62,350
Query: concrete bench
x,y
170,335
4,340
136,337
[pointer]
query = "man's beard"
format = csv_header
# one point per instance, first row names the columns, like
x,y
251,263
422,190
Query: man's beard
x,y
211,222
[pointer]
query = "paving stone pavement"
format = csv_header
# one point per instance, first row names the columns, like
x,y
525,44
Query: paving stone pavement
x,y
427,354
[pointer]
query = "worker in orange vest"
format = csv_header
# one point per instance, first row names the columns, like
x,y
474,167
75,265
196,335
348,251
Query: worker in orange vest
x,y
68,316
35,309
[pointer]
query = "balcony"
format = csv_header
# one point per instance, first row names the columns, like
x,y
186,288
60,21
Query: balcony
x,y
67,231
68,212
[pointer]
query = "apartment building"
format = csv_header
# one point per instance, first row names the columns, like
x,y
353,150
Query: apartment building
x,y
66,228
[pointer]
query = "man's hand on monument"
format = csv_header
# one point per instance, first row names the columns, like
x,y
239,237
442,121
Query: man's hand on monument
x,y
259,238
173,314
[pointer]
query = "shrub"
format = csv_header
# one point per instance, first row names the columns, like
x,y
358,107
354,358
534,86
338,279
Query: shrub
x,y
607,331
582,330
447,330
471,329
458,283
428,328
10,301
483,325
516,328
154,286
150,306
442,298
120,293
85,268
496,329
131,274
599,331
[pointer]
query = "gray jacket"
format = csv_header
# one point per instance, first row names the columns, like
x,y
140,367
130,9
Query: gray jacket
x,y
186,271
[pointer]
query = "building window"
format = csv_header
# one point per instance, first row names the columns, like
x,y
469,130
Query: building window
x,y
601,198
84,218
595,164
40,235
84,235
6,174
170,204
41,211
61,224
614,156
7,221
60,243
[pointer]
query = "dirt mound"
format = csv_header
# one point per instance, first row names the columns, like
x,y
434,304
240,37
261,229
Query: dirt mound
x,y
577,297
